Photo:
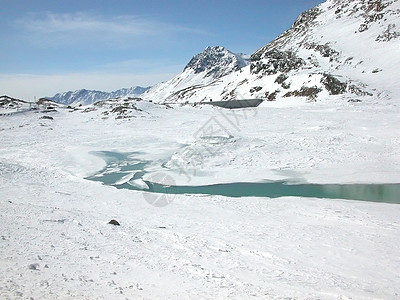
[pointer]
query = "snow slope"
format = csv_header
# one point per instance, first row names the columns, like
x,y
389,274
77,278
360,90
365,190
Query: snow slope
x,y
204,69
86,97
9,105
55,242
339,47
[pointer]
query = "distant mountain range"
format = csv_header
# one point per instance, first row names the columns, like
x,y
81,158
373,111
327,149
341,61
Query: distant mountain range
x,y
346,49
86,97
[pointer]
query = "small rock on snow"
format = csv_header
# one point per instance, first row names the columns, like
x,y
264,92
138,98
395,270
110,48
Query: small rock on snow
x,y
114,222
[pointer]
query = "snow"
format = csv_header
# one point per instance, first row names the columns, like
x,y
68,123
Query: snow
x,y
56,243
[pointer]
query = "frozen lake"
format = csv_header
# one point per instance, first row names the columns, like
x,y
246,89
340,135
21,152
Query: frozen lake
x,y
124,171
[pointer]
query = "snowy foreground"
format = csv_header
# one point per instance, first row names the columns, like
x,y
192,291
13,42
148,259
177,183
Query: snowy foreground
x,y
56,243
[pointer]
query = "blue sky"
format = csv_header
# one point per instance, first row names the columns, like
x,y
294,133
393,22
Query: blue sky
x,y
51,46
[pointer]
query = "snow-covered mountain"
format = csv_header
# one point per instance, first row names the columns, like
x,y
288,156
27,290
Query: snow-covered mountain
x,y
86,97
216,62
124,108
7,102
9,105
204,69
348,48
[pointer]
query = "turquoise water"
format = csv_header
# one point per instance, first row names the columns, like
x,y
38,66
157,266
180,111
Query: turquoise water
x,y
126,165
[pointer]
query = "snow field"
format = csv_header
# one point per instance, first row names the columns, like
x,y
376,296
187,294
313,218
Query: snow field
x,y
56,243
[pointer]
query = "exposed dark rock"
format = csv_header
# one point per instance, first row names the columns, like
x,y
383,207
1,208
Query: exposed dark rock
x,y
275,61
89,109
120,109
281,78
255,89
389,34
114,222
34,267
242,82
231,95
307,18
374,6
363,27
333,85
371,11
47,118
271,96
325,50
358,91
309,92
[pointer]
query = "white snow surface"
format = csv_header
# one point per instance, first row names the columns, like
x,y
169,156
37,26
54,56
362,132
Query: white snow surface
x,y
55,242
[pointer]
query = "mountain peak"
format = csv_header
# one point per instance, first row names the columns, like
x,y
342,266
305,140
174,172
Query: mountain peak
x,y
216,62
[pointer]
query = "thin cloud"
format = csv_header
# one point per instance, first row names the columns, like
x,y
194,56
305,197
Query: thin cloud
x,y
142,66
82,29
31,86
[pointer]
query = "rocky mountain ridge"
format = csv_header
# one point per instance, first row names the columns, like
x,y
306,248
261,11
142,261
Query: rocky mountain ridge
x,y
86,97
204,69
339,48
217,62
